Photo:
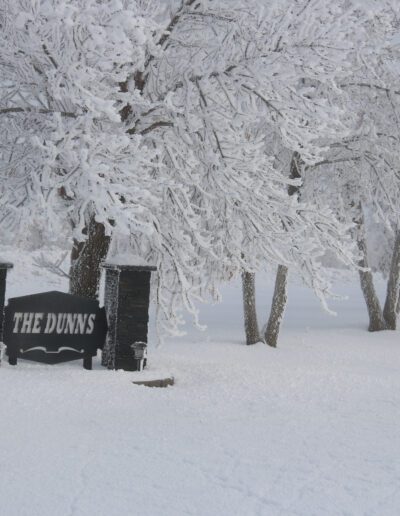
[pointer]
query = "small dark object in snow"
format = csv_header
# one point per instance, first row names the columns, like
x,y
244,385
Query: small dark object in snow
x,y
165,382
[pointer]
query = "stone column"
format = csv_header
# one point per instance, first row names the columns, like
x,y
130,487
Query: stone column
x,y
126,300
3,277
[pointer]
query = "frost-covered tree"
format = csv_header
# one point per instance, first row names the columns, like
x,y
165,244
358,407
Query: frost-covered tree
x,y
154,124
310,48
360,181
66,156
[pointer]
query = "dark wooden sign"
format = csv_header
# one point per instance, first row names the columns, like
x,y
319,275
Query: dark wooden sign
x,y
53,327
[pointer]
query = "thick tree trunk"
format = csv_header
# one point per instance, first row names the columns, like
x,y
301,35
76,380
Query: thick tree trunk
x,y
279,300
376,320
390,309
86,258
249,308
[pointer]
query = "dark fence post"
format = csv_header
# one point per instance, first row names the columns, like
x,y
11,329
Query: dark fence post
x,y
3,279
126,300
4,266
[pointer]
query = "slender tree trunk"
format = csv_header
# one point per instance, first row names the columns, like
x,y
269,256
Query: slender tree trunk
x,y
249,308
279,300
390,309
86,258
376,319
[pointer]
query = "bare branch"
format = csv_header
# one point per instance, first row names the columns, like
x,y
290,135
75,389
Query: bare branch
x,y
55,267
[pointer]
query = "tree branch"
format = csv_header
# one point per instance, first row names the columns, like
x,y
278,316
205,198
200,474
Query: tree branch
x,y
333,161
152,127
261,97
370,86
51,58
37,111
141,77
173,23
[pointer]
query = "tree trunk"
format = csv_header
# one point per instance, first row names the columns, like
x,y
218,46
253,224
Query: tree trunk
x,y
278,307
390,309
376,320
86,258
249,308
279,298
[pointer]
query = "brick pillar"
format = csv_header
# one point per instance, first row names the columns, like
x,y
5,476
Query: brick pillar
x,y
126,300
3,277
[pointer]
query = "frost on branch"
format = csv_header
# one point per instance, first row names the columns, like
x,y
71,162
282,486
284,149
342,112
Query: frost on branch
x,y
170,124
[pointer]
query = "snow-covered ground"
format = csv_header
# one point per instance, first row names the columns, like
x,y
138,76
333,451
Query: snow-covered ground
x,y
311,428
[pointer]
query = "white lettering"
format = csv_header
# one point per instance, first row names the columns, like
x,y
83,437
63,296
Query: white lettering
x,y
60,323
27,322
37,322
51,323
70,326
67,323
81,323
17,320
90,326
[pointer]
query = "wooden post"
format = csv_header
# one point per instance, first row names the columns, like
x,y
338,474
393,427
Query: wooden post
x,y
87,362
3,281
127,297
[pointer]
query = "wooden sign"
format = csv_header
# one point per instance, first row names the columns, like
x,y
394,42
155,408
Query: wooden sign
x,y
53,327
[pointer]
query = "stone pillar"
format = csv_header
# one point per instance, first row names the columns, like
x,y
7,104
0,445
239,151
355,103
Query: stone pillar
x,y
126,300
3,277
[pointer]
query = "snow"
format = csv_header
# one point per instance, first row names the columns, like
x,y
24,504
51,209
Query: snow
x,y
130,259
310,428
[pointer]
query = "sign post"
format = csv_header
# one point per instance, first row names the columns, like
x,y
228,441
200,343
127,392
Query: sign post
x,y
3,279
127,296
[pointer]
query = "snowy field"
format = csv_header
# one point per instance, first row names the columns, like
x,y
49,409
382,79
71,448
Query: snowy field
x,y
311,428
